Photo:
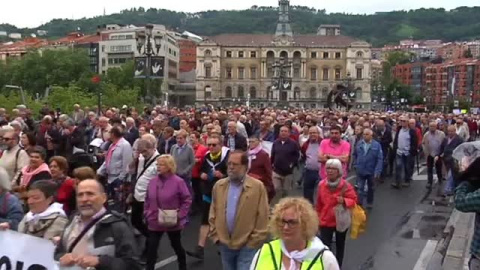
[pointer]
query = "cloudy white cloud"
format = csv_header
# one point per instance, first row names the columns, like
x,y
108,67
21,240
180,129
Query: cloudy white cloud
x,y
28,13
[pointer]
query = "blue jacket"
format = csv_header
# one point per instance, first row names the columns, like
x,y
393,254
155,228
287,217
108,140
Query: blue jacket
x,y
371,163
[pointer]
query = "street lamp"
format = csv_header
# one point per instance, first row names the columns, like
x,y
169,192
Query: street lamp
x,y
144,40
281,80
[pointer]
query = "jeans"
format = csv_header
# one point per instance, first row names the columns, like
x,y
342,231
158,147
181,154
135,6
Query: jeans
x,y
236,259
326,235
310,181
404,164
438,168
153,241
361,181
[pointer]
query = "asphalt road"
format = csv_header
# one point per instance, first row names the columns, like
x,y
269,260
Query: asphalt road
x,y
385,220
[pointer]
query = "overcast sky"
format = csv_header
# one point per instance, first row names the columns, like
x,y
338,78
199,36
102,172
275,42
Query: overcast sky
x,y
32,13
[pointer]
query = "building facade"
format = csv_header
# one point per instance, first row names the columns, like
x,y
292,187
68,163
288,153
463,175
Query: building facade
x,y
118,45
234,69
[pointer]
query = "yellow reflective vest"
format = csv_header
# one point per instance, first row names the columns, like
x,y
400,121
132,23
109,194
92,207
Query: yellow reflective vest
x,y
270,258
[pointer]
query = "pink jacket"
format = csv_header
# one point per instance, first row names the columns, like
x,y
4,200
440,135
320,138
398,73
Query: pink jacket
x,y
168,193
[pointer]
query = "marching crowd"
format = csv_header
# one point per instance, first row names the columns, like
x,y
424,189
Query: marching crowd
x,y
96,183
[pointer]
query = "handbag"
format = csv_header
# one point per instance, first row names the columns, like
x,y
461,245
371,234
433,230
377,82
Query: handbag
x,y
343,216
166,218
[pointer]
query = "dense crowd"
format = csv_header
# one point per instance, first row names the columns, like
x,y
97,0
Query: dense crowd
x,y
95,183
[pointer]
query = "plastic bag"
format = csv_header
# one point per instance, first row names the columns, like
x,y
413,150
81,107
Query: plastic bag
x,y
359,222
343,218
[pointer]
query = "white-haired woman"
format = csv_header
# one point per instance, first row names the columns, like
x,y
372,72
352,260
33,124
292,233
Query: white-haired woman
x,y
332,191
11,211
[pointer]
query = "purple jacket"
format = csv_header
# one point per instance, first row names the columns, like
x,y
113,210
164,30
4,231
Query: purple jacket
x,y
169,193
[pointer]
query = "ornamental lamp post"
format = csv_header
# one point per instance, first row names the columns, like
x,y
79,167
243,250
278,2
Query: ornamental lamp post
x,y
144,41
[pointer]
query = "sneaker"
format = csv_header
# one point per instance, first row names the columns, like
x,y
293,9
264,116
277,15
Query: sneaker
x,y
395,185
406,184
197,254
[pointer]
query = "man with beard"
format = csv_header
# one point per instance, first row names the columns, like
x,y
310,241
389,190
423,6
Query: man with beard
x,y
238,214
96,238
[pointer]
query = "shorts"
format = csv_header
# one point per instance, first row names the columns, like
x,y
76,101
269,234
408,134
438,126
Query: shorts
x,y
205,212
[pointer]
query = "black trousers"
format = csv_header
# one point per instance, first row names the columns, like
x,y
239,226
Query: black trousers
x,y
153,241
438,168
197,193
326,235
137,217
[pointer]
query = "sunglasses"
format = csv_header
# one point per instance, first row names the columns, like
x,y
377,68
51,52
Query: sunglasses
x,y
212,144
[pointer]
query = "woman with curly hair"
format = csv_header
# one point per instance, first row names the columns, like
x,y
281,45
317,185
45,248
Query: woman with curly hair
x,y
294,224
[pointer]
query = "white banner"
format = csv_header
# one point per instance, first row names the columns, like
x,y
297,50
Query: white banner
x,y
24,252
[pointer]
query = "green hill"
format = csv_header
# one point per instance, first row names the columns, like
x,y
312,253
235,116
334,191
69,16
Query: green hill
x,y
462,23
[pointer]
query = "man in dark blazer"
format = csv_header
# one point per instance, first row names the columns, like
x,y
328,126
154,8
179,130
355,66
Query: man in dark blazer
x,y
233,139
167,141
131,133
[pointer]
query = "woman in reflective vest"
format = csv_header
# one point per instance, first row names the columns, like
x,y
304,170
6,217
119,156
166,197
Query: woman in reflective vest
x,y
294,225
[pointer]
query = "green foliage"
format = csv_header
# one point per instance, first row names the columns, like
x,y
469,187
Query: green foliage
x,y
379,29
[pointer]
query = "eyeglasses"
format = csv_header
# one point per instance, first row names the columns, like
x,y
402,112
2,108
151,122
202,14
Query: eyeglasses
x,y
212,144
7,139
291,223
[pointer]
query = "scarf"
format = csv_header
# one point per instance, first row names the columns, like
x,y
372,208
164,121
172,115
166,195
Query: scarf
x,y
215,156
253,152
334,185
27,175
314,246
54,208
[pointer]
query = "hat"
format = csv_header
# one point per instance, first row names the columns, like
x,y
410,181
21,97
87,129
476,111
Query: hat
x,y
124,107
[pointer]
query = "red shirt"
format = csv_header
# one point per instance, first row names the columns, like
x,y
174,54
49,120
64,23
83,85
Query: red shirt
x,y
200,152
65,195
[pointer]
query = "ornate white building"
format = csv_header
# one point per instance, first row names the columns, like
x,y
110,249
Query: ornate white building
x,y
236,68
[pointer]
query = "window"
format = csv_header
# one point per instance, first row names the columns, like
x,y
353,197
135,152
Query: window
x,y
208,53
313,93
325,74
103,61
240,54
121,48
313,74
208,72
296,93
338,55
241,73
253,73
228,72
103,48
229,54
338,74
270,72
116,61
359,54
208,92
296,73
241,92
359,73
253,92
313,54
253,54
325,55
228,92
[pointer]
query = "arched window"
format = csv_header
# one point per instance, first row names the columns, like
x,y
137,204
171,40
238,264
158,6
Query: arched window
x,y
313,92
253,92
324,92
359,54
228,92
284,55
208,53
241,92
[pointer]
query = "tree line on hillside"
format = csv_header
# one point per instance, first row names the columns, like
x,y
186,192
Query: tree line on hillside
x,y
379,29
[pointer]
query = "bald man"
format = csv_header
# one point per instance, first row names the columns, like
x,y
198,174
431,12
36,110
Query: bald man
x,y
405,146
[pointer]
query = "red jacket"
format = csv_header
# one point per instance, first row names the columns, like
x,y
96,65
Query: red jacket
x,y
327,200
200,152
66,195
